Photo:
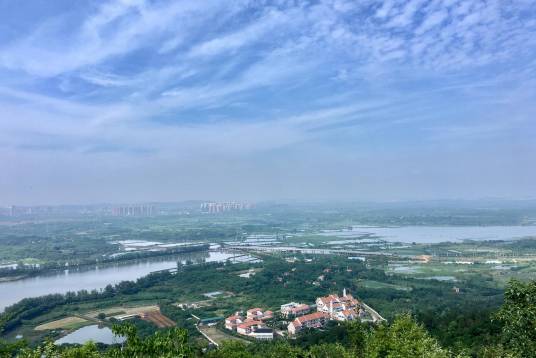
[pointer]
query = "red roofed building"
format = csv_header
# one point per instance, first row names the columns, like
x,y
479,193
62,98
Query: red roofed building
x,y
267,315
259,314
346,315
248,327
334,305
312,320
233,321
293,309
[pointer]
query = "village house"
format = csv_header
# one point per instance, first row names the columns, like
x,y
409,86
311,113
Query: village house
x,y
346,315
252,325
233,321
259,314
312,320
293,309
255,329
248,327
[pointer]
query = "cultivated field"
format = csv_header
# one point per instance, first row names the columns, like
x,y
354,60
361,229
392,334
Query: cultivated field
x,y
158,319
117,311
370,284
64,323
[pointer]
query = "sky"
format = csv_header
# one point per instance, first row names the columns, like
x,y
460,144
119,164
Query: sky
x,y
137,100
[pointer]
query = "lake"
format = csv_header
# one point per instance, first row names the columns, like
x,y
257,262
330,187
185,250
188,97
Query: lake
x,y
97,277
91,333
434,234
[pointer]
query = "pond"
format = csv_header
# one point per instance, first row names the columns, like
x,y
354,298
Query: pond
x,y
91,333
403,269
441,278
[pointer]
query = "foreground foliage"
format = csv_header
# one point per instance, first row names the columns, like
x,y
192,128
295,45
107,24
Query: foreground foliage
x,y
403,338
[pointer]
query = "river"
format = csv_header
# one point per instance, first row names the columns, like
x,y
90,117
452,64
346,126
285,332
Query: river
x,y
97,277
434,234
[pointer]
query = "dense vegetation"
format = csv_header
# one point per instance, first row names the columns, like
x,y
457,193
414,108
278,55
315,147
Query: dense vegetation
x,y
58,238
448,322
403,338
453,319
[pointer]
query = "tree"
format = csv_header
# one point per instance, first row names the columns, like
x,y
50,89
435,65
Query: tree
x,y
50,350
404,338
328,350
357,336
230,349
10,349
518,317
170,343
496,351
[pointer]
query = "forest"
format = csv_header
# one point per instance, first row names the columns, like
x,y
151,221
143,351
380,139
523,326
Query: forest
x,y
461,323
402,338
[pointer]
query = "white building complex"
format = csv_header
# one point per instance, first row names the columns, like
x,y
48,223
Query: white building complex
x,y
312,320
331,307
293,309
343,308
252,325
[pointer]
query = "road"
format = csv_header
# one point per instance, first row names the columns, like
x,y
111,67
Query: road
x,y
375,315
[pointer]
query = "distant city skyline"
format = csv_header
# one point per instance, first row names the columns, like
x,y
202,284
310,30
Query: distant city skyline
x,y
142,101
122,209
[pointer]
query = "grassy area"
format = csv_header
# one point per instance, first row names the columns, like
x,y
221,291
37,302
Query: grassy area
x,y
369,284
277,283
124,310
67,323
218,335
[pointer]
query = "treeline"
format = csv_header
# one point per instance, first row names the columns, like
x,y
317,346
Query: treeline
x,y
32,307
31,270
403,338
433,303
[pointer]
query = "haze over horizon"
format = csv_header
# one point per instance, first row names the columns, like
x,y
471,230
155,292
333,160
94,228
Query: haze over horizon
x,y
138,101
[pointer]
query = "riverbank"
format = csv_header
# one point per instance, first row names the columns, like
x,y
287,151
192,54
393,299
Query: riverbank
x,y
12,278
125,258
98,277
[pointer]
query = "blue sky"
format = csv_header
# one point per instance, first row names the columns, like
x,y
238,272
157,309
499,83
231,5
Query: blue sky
x,y
134,100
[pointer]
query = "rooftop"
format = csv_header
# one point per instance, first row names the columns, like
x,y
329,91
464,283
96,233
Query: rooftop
x,y
249,324
264,330
310,317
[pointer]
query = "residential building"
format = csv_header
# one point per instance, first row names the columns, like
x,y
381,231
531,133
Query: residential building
x,y
335,305
262,333
248,327
293,309
213,207
259,314
346,315
232,322
312,320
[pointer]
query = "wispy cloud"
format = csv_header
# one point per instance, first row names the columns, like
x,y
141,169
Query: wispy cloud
x,y
174,80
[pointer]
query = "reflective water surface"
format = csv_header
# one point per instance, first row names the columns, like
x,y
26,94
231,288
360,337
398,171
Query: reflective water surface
x,y
97,277
91,333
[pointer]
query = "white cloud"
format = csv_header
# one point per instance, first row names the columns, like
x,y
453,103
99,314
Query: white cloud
x,y
117,28
432,21
214,82
269,24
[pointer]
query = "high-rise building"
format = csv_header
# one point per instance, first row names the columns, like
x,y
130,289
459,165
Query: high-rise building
x,y
133,210
215,207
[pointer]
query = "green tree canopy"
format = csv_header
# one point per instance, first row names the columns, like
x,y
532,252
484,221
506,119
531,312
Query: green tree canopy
x,y
404,338
518,317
